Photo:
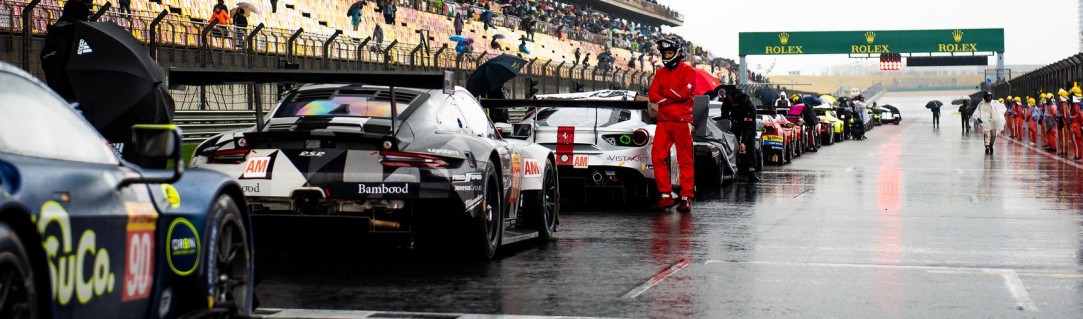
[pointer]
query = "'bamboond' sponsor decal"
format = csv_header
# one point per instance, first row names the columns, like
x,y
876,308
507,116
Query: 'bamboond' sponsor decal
x,y
384,189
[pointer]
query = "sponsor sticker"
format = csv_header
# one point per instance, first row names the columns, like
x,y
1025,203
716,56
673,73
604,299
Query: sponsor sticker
x,y
565,135
69,259
467,188
443,151
530,168
384,189
257,167
581,161
626,158
183,248
139,251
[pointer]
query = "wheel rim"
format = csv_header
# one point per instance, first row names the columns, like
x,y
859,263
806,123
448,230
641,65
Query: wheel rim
x,y
231,265
549,198
489,218
15,297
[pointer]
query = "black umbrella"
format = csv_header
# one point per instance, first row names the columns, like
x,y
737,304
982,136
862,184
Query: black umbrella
x,y
767,95
933,104
115,80
355,7
959,101
492,74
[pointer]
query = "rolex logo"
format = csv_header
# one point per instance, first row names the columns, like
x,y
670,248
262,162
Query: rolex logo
x,y
870,37
957,35
783,37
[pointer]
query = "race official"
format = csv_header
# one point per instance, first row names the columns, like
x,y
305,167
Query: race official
x,y
671,89
991,116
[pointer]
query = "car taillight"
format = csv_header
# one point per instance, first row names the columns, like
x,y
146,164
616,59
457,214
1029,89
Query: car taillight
x,y
769,129
403,159
640,137
233,156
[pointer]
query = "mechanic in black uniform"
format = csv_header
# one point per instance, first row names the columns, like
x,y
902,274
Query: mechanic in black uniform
x,y
811,130
743,114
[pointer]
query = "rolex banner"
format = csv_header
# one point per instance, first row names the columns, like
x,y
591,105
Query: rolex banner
x,y
872,42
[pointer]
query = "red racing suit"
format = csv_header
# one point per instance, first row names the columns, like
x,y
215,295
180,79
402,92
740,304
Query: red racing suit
x,y
1075,127
672,90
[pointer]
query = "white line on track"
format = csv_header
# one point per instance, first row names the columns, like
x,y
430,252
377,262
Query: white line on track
x,y
1058,158
1011,278
635,292
275,313
1018,290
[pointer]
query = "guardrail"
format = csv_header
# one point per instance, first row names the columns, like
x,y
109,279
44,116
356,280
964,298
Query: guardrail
x,y
200,125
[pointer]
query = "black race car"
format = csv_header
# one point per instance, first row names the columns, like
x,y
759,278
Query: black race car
x,y
85,234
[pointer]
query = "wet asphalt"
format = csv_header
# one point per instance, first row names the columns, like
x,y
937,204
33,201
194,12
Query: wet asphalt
x,y
912,222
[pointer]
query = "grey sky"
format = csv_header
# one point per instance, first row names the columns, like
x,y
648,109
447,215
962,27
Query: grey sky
x,y
1035,31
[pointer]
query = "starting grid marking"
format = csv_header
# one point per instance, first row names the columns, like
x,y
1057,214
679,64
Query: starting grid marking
x,y
1053,156
1012,283
635,292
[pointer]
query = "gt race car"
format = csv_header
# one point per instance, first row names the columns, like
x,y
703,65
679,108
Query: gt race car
x,y
384,153
86,234
837,127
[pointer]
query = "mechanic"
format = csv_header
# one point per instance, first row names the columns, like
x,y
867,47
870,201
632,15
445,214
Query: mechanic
x,y
1049,123
743,116
1018,111
1075,120
1062,127
1032,117
671,89
812,133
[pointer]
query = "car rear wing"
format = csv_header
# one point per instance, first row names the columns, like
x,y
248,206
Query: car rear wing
x,y
598,104
561,103
421,80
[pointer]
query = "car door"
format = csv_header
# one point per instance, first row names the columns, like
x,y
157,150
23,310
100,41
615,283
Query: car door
x,y
483,130
98,241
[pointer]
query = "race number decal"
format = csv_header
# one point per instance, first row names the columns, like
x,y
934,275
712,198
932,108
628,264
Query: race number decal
x,y
257,167
139,251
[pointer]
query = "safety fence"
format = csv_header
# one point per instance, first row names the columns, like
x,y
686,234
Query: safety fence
x,y
1050,78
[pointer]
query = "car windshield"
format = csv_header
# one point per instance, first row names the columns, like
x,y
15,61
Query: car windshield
x,y
602,117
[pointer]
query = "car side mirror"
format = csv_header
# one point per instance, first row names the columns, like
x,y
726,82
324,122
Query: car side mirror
x,y
514,131
503,129
156,144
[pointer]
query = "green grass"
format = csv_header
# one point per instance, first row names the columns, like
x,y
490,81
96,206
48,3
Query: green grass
x,y
186,152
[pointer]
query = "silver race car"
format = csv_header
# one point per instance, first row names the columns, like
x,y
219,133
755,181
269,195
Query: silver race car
x,y
421,160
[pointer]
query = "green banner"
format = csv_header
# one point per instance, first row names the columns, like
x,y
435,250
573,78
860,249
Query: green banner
x,y
871,42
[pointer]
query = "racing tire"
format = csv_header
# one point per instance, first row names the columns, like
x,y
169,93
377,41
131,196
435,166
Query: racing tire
x,y
229,259
488,223
787,155
897,121
20,297
543,207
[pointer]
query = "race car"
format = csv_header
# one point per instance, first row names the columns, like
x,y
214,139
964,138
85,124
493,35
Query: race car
x,y
837,127
890,114
779,141
714,115
394,154
86,234
601,141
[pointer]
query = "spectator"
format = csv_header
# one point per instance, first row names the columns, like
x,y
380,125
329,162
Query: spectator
x,y
125,6
528,27
355,15
378,34
240,24
274,6
487,19
459,23
577,55
522,46
390,10
221,16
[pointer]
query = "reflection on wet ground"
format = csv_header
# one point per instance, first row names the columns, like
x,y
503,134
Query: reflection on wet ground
x,y
911,222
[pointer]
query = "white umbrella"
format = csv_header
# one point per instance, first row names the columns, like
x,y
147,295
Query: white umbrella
x,y
248,7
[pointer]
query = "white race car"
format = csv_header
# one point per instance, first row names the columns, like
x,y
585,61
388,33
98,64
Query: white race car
x,y
422,160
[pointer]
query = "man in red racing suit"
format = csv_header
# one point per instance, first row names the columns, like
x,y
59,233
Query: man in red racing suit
x,y
671,89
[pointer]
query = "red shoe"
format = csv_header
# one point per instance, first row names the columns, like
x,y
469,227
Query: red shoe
x,y
685,206
665,202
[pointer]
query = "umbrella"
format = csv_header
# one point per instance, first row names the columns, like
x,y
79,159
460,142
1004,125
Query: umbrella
x,y
703,82
492,74
811,101
960,100
766,94
115,81
233,12
934,104
827,98
458,38
248,7
358,5
498,36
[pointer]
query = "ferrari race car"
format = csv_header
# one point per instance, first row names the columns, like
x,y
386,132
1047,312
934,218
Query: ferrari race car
x,y
778,140
836,126
86,234
388,153
603,142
